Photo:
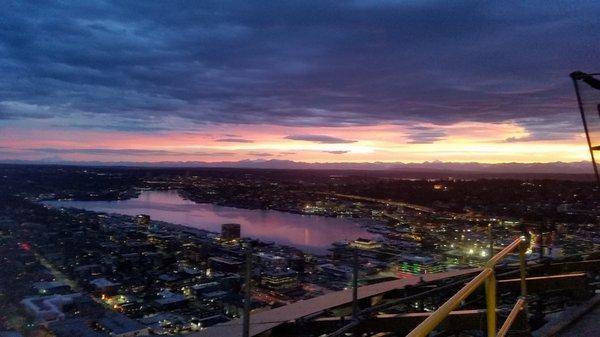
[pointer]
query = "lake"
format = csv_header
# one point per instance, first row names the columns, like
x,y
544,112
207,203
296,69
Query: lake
x,y
311,233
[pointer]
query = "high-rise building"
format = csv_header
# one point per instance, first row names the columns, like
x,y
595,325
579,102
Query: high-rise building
x,y
230,231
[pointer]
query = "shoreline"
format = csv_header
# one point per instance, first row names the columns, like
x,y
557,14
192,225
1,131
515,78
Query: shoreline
x,y
363,223
180,228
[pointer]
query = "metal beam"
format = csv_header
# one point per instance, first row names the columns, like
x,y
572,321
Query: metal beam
x,y
564,267
575,281
400,324
512,316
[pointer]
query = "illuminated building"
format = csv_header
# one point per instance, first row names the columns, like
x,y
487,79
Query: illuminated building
x,y
198,290
230,231
416,264
224,265
366,244
143,220
280,280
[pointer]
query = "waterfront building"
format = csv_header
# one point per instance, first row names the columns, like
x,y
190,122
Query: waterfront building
x,y
365,244
143,220
230,231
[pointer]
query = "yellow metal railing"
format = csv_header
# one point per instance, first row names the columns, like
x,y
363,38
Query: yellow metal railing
x,y
488,277
520,305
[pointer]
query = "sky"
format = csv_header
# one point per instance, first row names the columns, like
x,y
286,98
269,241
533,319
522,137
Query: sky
x,y
312,81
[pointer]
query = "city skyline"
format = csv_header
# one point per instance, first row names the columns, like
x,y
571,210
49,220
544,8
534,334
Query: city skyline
x,y
318,82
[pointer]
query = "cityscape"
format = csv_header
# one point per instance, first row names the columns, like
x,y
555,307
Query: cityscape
x,y
138,274
299,168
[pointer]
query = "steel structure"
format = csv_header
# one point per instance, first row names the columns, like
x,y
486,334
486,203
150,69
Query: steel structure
x,y
589,108
487,276
374,308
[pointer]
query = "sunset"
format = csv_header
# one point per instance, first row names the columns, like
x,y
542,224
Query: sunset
x,y
355,81
460,142
299,168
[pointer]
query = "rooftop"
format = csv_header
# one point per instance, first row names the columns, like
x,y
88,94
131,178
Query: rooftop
x,y
119,324
74,327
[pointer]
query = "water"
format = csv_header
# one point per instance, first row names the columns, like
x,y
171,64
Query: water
x,y
310,233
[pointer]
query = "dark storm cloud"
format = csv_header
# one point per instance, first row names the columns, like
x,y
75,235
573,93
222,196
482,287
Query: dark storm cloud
x,y
297,63
321,139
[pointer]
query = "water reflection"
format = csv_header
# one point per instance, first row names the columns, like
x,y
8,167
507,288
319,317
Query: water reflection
x,y
310,233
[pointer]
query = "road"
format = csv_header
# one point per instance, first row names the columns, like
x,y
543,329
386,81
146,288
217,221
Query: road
x,y
60,276
414,207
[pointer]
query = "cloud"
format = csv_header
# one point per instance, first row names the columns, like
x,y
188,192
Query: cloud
x,y
296,63
122,152
322,139
546,129
424,135
20,110
337,152
260,154
234,140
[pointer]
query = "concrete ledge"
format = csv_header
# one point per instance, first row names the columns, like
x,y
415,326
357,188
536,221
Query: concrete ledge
x,y
567,319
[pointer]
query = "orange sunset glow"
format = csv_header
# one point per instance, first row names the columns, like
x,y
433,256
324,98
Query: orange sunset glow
x,y
462,142
357,82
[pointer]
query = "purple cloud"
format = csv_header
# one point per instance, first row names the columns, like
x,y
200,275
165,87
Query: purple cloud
x,y
234,140
337,152
260,154
298,63
321,139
